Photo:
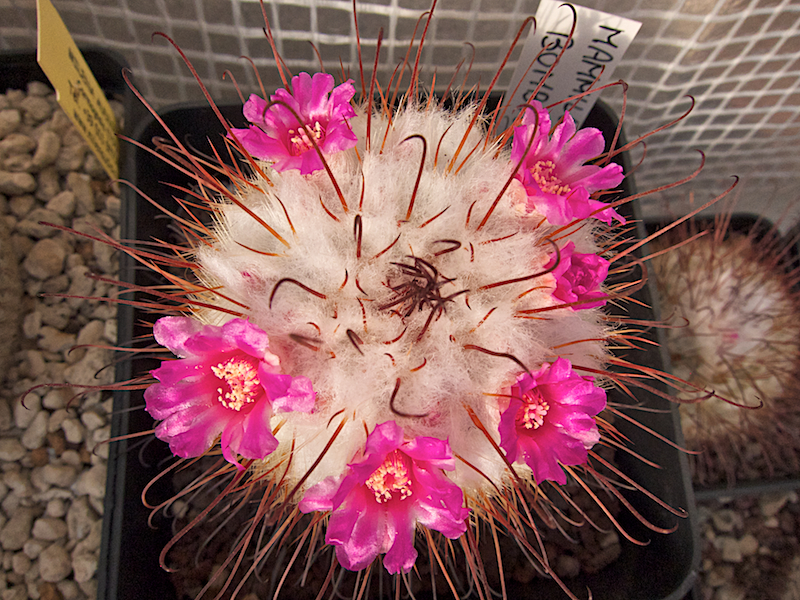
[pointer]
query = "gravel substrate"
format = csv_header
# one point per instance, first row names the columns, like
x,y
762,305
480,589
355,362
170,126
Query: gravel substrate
x,y
751,548
53,463
52,460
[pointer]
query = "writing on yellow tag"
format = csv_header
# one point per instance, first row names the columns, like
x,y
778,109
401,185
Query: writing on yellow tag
x,y
77,90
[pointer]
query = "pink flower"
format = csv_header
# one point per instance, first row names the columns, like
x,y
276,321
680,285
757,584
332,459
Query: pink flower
x,y
549,420
579,277
553,172
227,382
276,134
378,502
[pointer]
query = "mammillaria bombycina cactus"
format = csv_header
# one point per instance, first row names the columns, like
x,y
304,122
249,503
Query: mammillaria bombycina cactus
x,y
395,325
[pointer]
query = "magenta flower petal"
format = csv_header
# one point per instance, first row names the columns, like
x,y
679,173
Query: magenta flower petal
x,y
256,440
579,148
164,399
173,332
549,420
224,383
248,338
401,555
579,277
606,215
553,172
276,135
254,109
231,440
192,431
258,143
298,397
378,502
358,533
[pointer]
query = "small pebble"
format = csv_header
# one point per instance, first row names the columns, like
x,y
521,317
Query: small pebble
x,y
719,575
59,475
91,482
84,566
16,143
55,399
14,184
11,450
38,88
46,259
48,184
54,563
36,109
25,411
10,119
725,521
48,591
46,151
17,530
748,545
55,340
49,529
80,518
62,204
69,590
56,508
33,548
20,206
73,431
92,420
40,457
730,549
36,432
771,504
32,324
20,563
80,185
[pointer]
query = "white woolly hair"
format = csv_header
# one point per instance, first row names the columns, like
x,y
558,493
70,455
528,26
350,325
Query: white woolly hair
x,y
345,334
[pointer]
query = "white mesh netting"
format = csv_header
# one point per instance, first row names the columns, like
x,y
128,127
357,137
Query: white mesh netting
x,y
740,60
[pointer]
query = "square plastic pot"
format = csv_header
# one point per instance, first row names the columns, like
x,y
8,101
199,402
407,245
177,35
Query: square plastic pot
x,y
664,569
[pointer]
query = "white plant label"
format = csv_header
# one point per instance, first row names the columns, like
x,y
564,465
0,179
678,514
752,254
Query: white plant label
x,y
599,42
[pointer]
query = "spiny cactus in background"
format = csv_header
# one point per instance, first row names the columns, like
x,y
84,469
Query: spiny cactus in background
x,y
733,296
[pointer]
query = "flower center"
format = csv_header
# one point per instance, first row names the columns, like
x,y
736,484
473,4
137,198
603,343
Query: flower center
x,y
534,411
241,380
392,476
299,138
543,173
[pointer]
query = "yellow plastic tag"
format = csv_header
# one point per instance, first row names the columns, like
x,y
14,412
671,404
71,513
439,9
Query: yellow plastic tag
x,y
77,90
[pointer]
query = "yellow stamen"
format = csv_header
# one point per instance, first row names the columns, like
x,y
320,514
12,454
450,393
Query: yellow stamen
x,y
300,140
242,381
535,410
543,174
392,476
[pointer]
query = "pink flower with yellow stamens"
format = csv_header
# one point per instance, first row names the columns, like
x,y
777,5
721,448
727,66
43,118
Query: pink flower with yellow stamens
x,y
378,502
558,183
276,135
579,277
226,382
550,420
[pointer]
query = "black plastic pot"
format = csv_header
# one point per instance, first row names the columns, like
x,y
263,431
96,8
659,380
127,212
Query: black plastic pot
x,y
17,70
664,569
